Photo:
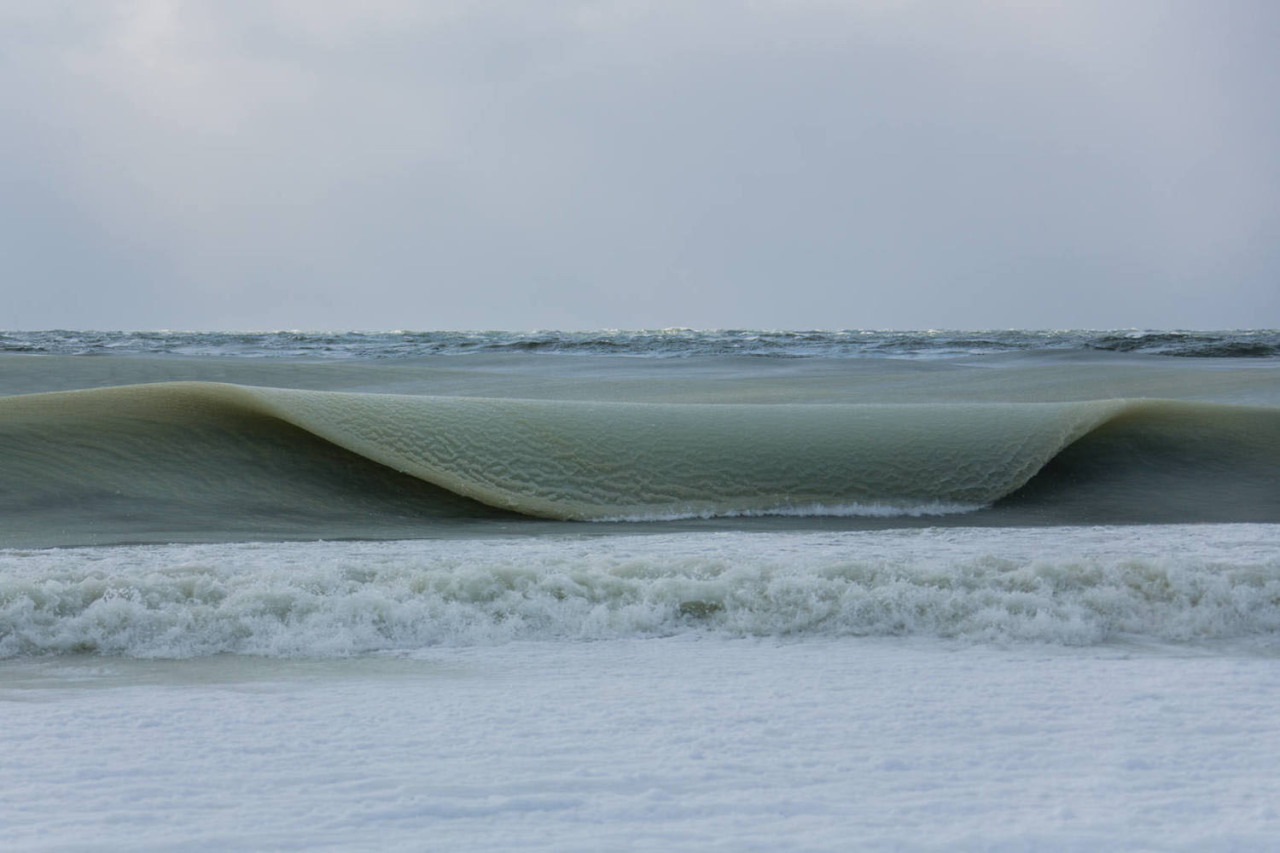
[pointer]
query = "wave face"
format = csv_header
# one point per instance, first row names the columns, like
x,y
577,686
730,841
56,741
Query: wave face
x,y
660,343
217,461
1047,585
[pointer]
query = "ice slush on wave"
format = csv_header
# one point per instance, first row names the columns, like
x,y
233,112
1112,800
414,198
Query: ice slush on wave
x,y
208,455
1050,585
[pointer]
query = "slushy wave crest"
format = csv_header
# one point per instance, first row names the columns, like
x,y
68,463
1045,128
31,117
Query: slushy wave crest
x,y
197,450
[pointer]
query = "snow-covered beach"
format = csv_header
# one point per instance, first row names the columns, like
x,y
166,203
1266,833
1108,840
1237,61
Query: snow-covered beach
x,y
659,744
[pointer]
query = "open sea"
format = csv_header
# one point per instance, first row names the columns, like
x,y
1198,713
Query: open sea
x,y
675,589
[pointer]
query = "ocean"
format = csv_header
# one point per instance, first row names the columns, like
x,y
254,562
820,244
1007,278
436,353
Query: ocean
x,y
675,589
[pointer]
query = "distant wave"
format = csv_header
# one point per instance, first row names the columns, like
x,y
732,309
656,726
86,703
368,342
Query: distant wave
x,y
1057,586
659,343
209,456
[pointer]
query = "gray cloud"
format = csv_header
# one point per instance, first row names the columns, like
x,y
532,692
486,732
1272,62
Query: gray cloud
x,y
629,164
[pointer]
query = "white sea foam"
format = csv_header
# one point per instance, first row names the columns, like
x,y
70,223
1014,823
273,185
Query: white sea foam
x,y
1065,586
820,510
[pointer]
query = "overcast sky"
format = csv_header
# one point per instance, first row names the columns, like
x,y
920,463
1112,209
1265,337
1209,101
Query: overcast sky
x,y
384,164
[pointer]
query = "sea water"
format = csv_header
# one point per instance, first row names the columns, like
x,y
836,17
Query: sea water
x,y
764,590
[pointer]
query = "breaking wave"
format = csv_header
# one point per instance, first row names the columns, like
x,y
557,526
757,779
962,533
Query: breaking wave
x,y
1074,586
211,456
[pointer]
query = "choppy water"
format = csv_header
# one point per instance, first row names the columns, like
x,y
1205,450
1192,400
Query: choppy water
x,y
852,343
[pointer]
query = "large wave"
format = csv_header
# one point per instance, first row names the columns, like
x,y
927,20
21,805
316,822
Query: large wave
x,y
213,453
